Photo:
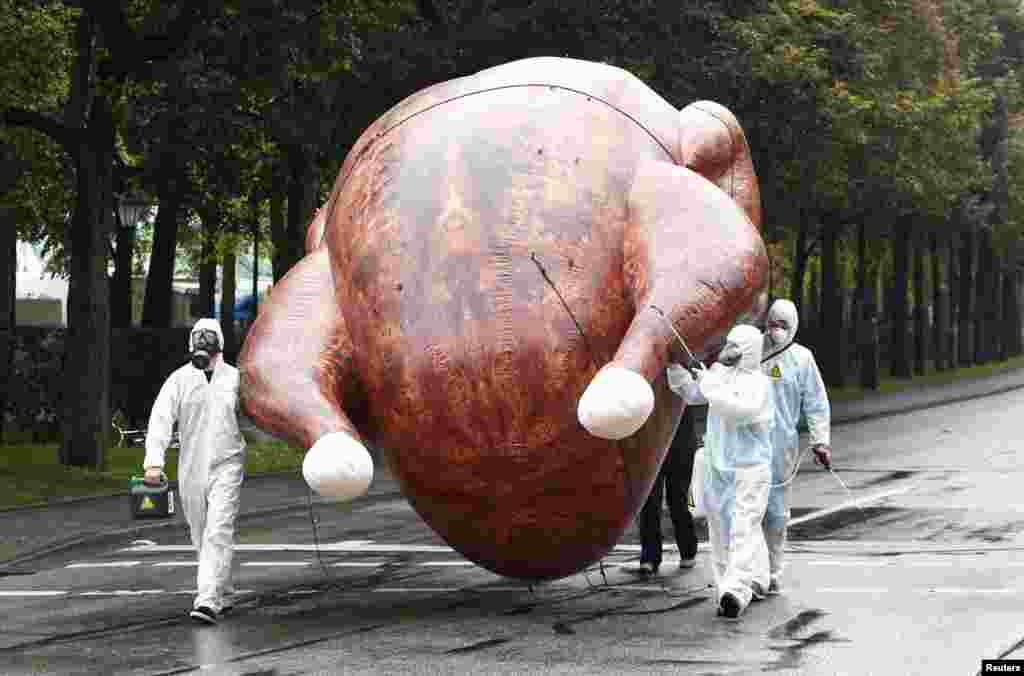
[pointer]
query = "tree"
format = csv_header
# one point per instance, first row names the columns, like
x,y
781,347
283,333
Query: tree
x,y
108,53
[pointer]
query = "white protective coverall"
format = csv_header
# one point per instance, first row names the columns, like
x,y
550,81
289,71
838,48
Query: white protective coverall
x,y
796,388
737,444
211,463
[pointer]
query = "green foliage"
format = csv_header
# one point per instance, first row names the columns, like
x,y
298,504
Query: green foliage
x,y
36,41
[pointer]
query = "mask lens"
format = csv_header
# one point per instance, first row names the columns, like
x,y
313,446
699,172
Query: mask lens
x,y
205,340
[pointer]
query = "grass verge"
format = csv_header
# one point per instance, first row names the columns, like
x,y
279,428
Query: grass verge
x,y
31,475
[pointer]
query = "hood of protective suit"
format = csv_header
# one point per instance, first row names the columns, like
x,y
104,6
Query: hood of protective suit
x,y
209,325
750,342
784,310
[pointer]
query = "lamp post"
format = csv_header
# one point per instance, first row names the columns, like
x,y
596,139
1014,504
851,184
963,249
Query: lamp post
x,y
130,210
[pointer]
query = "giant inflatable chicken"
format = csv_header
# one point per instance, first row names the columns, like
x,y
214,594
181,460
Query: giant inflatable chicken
x,y
490,296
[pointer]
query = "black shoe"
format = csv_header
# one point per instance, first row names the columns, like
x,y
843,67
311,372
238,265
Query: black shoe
x,y
730,606
224,610
204,615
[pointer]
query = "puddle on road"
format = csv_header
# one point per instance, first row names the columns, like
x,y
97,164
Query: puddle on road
x,y
793,626
790,656
888,477
827,527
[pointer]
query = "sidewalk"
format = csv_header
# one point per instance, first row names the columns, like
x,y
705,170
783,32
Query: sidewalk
x,y
35,532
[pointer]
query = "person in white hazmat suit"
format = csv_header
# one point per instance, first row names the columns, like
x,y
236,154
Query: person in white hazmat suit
x,y
796,388
737,444
202,398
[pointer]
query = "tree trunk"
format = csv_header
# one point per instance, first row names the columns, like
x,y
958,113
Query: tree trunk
x,y
899,359
208,268
157,307
254,208
965,306
1012,310
983,298
799,268
302,200
1005,316
121,294
921,333
86,400
8,281
831,310
869,340
227,304
938,305
953,296
278,235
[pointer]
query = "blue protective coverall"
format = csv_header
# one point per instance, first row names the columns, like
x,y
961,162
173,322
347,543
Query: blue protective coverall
x,y
796,389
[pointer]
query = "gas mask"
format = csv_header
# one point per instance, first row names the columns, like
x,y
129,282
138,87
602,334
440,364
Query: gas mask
x,y
205,345
777,335
730,355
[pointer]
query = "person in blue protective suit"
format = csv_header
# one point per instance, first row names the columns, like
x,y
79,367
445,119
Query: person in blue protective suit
x,y
737,445
796,389
202,398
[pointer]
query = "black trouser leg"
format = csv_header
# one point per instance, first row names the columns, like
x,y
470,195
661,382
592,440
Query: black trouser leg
x,y
650,524
677,471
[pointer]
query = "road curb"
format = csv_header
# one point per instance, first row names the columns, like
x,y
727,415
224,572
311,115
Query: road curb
x,y
64,502
874,415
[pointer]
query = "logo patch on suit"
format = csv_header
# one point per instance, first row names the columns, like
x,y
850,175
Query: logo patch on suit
x,y
146,503
776,372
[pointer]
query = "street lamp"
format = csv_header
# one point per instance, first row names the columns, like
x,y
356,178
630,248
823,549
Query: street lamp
x,y
130,210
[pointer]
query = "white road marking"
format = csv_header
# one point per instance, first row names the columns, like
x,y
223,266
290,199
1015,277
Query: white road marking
x,y
32,593
851,564
926,590
275,564
446,563
175,564
416,590
359,564
857,502
123,592
336,547
362,546
963,590
104,564
701,547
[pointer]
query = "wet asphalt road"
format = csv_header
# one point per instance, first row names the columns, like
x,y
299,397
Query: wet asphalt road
x,y
917,570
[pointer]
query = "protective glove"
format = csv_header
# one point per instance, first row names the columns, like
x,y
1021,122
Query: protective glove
x,y
154,476
697,369
679,378
822,455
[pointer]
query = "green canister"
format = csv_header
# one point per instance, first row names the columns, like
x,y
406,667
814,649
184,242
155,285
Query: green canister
x,y
150,502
